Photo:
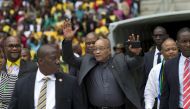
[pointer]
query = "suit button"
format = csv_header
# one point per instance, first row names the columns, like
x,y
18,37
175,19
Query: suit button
x,y
112,66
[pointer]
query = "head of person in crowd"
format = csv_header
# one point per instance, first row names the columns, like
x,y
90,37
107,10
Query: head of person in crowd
x,y
169,49
77,49
90,40
12,48
183,41
48,56
119,48
159,35
25,54
102,50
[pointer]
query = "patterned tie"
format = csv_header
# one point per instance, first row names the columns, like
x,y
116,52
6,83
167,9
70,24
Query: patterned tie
x,y
42,96
186,85
159,58
13,68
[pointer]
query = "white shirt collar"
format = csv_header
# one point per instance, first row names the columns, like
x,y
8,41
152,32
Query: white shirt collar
x,y
40,76
156,51
183,58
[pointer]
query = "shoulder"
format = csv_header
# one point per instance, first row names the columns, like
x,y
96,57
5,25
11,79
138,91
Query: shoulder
x,y
150,52
119,56
87,58
66,77
25,79
28,63
156,69
172,61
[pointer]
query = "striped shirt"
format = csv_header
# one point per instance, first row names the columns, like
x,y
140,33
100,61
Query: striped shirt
x,y
7,84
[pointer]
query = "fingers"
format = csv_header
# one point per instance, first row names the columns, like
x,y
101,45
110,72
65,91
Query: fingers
x,y
132,37
138,38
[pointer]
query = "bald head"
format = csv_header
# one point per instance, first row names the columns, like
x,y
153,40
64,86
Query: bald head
x,y
106,42
44,50
169,49
11,38
160,28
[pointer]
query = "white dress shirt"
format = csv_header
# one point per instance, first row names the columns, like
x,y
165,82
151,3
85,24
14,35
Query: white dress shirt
x,y
156,57
152,87
50,97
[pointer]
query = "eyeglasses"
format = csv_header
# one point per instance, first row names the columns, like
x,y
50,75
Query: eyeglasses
x,y
14,45
89,43
100,48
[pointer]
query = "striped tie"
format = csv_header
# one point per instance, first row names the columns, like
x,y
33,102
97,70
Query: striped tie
x,y
42,96
186,85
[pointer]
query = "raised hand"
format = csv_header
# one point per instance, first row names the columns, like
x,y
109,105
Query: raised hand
x,y
134,48
67,30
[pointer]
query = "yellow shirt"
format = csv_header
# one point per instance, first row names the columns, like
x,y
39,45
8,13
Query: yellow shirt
x,y
9,63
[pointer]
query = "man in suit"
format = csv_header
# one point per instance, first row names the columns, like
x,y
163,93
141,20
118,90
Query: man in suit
x,y
90,39
151,57
107,80
154,83
61,90
154,56
13,68
176,89
12,49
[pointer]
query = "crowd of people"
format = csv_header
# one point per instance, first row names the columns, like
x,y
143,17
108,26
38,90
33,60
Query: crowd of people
x,y
38,37
41,21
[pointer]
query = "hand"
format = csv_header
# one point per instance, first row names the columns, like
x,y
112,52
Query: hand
x,y
67,30
135,50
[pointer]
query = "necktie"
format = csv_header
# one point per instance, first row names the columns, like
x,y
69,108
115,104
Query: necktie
x,y
10,69
159,58
186,85
13,68
42,96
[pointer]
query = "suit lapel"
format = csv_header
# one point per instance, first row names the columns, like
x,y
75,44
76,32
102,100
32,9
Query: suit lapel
x,y
124,79
87,64
21,69
151,58
59,90
31,89
175,71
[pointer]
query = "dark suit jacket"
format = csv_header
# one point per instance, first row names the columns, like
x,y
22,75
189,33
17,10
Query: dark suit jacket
x,y
148,64
25,68
148,59
119,68
68,93
170,94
